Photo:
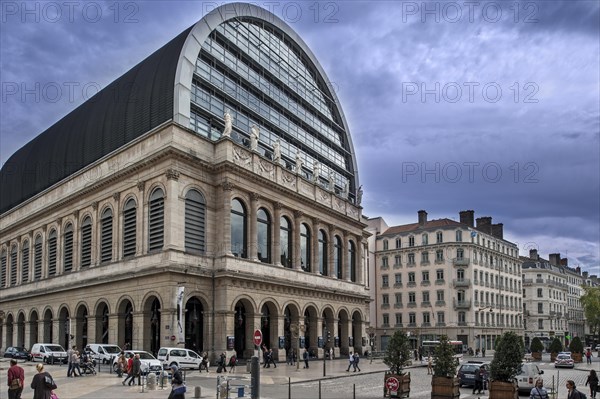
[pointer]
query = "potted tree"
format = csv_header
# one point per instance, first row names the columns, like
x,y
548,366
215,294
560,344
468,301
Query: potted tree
x,y
576,347
444,383
397,357
536,348
555,347
505,366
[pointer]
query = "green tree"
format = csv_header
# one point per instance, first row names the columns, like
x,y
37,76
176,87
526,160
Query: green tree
x,y
536,345
397,355
507,358
445,362
555,346
576,346
591,308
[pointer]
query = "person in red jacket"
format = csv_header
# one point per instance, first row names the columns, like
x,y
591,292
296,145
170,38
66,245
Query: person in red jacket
x,y
16,380
130,375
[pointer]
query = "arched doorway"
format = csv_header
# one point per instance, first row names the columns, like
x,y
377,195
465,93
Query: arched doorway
x,y
357,325
81,327
102,320
290,325
126,325
310,330
48,327
152,319
33,329
343,332
64,328
194,325
9,330
240,329
21,330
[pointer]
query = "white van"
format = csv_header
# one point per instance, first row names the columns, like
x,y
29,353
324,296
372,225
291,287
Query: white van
x,y
104,353
181,357
529,374
48,353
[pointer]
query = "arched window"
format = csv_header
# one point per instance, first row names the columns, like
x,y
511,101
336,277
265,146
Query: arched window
x,y
352,260
86,242
424,239
52,253
3,266
106,235
305,249
323,250
195,221
68,248
25,262
156,220
337,257
129,228
13,265
285,242
238,229
263,232
37,258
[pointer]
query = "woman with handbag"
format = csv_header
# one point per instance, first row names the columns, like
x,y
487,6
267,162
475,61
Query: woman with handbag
x,y
43,384
16,379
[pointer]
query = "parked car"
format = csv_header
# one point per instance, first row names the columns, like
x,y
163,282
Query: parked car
x,y
564,360
17,352
103,352
149,363
182,358
48,353
529,374
466,372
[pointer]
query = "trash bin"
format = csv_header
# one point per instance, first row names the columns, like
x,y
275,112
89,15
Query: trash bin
x,y
240,392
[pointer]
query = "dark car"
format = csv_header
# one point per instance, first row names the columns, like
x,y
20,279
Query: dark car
x,y
15,352
466,372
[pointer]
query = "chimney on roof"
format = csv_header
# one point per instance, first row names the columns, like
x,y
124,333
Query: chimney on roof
x,y
467,217
498,230
533,255
422,217
554,259
484,224
584,275
578,270
564,262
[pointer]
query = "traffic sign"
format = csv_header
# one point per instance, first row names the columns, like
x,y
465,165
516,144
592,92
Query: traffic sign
x,y
257,337
392,384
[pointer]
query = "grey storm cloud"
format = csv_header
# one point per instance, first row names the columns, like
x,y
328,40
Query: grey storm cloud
x,y
405,73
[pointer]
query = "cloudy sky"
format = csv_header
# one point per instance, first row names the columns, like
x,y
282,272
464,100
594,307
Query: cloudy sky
x,y
490,106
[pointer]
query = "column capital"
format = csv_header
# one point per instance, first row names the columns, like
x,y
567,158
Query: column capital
x,y
141,186
227,185
298,213
116,196
254,196
172,174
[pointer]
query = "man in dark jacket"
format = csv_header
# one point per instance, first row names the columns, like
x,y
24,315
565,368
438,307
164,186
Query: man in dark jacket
x,y
137,370
178,389
16,380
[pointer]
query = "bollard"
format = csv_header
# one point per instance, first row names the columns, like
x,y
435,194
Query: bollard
x,y
289,388
319,389
151,381
255,378
197,392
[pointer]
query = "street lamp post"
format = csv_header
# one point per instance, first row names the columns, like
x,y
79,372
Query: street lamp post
x,y
324,350
371,332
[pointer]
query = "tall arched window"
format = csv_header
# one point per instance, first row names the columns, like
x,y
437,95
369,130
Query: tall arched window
x,y
156,220
263,232
285,242
195,221
13,265
37,259
323,253
238,229
86,242
25,262
337,257
106,235
68,248
129,228
305,249
52,253
352,260
3,266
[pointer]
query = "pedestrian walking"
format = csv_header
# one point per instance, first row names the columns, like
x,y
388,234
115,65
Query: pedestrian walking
x,y
222,363
538,392
588,356
482,352
592,381
69,356
429,365
75,359
355,361
305,357
572,392
350,361
129,371
178,388
16,380
478,380
42,383
232,363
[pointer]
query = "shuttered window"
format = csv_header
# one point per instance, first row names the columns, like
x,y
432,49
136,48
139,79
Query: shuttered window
x,y
195,221
3,269
129,228
106,236
25,262
13,266
52,253
156,218
68,248
37,259
86,242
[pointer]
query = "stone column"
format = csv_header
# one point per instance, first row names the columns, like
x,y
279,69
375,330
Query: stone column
x,y
91,328
225,225
253,230
279,354
276,248
315,246
296,240
141,220
174,212
319,333
346,333
335,333
113,328
360,263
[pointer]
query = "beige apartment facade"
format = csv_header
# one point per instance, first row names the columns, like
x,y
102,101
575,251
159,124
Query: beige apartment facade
x,y
442,277
200,217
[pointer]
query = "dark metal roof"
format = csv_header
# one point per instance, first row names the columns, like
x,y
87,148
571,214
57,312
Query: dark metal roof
x,y
130,106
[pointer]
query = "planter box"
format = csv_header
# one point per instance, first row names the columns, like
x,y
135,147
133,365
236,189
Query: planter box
x,y
503,390
445,388
553,356
577,357
537,356
396,385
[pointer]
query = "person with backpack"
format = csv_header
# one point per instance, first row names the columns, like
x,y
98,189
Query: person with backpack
x,y
572,392
16,380
592,381
355,359
232,363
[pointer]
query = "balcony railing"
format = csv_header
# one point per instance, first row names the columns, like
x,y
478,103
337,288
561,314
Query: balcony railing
x,y
440,281
460,261
411,284
464,282
466,304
